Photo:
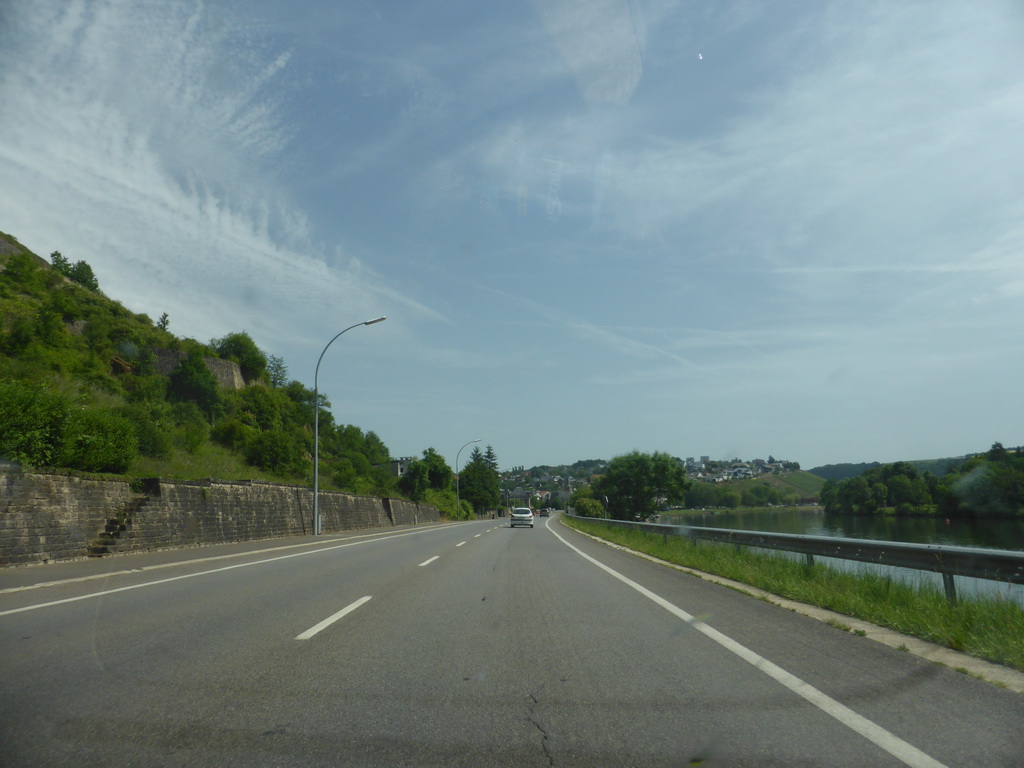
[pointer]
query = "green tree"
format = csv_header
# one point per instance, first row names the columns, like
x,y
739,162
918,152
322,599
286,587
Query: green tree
x,y
637,484
259,407
79,272
479,485
416,481
240,348
439,474
193,382
277,371
276,451
375,451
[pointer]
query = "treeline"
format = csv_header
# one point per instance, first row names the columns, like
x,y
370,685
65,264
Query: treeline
x,y
476,491
79,389
748,493
985,485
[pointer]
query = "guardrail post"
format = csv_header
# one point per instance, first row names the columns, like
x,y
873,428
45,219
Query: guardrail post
x,y
950,585
810,560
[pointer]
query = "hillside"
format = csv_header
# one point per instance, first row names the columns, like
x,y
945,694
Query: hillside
x,y
938,467
87,385
803,484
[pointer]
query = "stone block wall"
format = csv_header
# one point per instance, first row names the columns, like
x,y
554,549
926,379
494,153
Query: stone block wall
x,y
56,517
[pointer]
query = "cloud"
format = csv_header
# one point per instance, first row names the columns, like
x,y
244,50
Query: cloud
x,y
143,137
602,43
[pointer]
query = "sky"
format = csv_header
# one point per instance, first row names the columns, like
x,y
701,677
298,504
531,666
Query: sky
x,y
704,227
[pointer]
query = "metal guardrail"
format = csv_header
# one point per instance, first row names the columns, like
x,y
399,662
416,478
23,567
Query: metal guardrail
x,y
951,561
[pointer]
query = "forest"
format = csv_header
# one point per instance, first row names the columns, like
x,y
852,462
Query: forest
x,y
986,485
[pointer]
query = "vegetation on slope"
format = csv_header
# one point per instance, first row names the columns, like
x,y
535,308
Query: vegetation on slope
x,y
81,388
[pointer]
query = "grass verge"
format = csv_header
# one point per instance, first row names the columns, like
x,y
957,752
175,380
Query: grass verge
x,y
989,628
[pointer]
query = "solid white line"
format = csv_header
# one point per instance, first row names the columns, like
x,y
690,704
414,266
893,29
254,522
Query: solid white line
x,y
161,566
331,619
202,573
895,746
460,544
428,562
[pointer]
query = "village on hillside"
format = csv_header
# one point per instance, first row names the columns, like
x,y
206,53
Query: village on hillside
x,y
551,486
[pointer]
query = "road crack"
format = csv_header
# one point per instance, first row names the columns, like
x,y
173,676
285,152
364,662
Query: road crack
x,y
531,718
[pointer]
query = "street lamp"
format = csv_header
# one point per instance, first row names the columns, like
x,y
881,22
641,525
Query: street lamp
x,y
316,426
458,498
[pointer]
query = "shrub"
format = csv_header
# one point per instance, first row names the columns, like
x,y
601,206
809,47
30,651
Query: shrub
x,y
588,508
233,434
31,423
98,441
152,437
275,451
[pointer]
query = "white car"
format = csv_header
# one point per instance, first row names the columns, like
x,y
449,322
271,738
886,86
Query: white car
x,y
521,516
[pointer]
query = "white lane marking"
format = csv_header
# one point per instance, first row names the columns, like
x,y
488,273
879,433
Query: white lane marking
x,y
428,562
201,573
460,544
478,536
333,618
161,566
176,563
894,745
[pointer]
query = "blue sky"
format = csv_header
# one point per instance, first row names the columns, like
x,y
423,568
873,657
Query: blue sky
x,y
721,228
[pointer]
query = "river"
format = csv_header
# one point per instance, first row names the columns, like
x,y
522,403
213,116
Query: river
x,y
1002,533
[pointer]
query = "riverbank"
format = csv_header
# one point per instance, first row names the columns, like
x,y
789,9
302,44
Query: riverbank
x,y
990,532
988,628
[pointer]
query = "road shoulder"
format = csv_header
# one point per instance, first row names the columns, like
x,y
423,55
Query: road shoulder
x,y
997,674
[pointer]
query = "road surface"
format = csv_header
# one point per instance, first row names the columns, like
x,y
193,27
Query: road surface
x,y
470,644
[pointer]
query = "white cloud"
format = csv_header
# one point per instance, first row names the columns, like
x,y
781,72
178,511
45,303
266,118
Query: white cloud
x,y
141,137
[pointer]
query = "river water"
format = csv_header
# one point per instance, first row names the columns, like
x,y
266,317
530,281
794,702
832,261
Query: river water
x,y
991,534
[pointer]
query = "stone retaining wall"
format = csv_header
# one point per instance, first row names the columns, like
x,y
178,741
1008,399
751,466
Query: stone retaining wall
x,y
59,517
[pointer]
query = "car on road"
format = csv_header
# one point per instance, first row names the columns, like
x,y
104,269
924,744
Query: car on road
x,y
544,512
521,516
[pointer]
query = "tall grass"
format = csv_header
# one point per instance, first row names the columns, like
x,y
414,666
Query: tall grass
x,y
990,628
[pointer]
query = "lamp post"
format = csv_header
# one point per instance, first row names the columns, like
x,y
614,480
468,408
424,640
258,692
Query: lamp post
x,y
316,425
458,498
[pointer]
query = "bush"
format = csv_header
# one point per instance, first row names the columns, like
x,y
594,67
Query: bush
x,y
191,436
276,451
444,502
98,441
233,434
192,430
152,438
588,508
31,424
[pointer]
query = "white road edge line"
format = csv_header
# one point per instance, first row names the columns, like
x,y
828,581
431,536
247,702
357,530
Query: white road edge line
x,y
203,573
428,562
333,618
906,753
160,566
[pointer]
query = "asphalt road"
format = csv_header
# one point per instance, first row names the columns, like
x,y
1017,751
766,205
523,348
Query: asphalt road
x,y
458,645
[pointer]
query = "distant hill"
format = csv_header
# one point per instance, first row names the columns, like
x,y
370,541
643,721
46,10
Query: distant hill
x,y
837,472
